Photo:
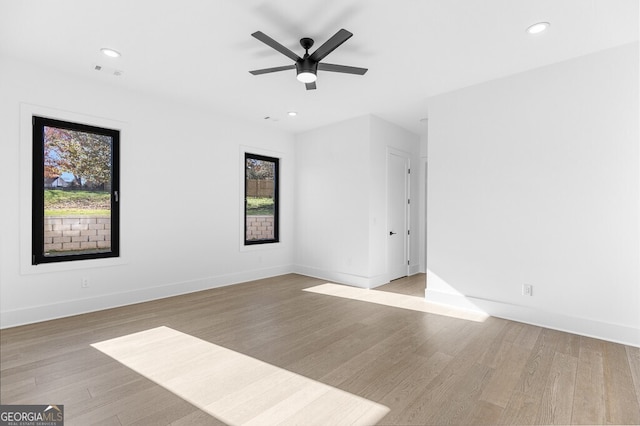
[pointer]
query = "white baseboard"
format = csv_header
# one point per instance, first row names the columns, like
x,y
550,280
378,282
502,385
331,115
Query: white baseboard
x,y
450,299
41,313
583,326
348,279
618,333
341,277
415,269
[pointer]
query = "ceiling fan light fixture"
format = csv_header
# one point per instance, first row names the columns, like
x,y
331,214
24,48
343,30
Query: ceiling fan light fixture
x,y
307,77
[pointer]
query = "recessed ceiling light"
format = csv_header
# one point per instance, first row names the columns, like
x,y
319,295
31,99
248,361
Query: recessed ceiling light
x,y
538,28
110,52
292,113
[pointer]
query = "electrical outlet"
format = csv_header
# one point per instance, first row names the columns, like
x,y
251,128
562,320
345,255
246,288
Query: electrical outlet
x,y
84,282
527,290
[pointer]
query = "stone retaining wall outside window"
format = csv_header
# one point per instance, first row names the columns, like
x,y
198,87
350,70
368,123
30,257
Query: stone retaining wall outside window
x,y
89,232
77,233
259,228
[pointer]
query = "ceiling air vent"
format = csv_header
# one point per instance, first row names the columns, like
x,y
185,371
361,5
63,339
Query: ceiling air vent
x,y
108,70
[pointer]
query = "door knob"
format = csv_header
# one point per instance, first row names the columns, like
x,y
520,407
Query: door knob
x,y
392,233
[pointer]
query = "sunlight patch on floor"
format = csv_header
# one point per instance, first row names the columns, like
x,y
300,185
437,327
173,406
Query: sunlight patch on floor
x,y
396,300
233,387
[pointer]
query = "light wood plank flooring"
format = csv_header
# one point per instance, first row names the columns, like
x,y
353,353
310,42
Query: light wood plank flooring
x,y
426,368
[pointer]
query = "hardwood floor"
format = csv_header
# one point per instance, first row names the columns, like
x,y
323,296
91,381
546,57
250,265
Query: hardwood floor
x,y
425,368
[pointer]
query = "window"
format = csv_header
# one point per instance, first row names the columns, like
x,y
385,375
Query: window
x,y
260,199
75,191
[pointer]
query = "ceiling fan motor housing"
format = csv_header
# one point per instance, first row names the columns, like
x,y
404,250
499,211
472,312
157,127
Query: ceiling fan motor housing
x,y
306,65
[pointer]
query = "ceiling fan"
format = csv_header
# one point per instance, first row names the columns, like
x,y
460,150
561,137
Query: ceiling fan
x,y
307,67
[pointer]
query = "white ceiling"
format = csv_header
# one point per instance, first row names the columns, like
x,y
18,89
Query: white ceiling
x,y
200,51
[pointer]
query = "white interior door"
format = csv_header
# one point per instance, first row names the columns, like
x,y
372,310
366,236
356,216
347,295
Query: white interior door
x,y
397,215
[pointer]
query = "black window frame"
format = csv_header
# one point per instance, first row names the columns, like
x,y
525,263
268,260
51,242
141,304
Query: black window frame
x,y
276,199
38,186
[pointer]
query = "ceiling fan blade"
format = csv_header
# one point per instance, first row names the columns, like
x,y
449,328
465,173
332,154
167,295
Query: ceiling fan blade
x,y
274,69
341,68
275,45
330,45
311,86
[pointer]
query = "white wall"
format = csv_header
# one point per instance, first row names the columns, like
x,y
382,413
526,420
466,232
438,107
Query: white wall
x,y
179,165
331,233
341,199
535,178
